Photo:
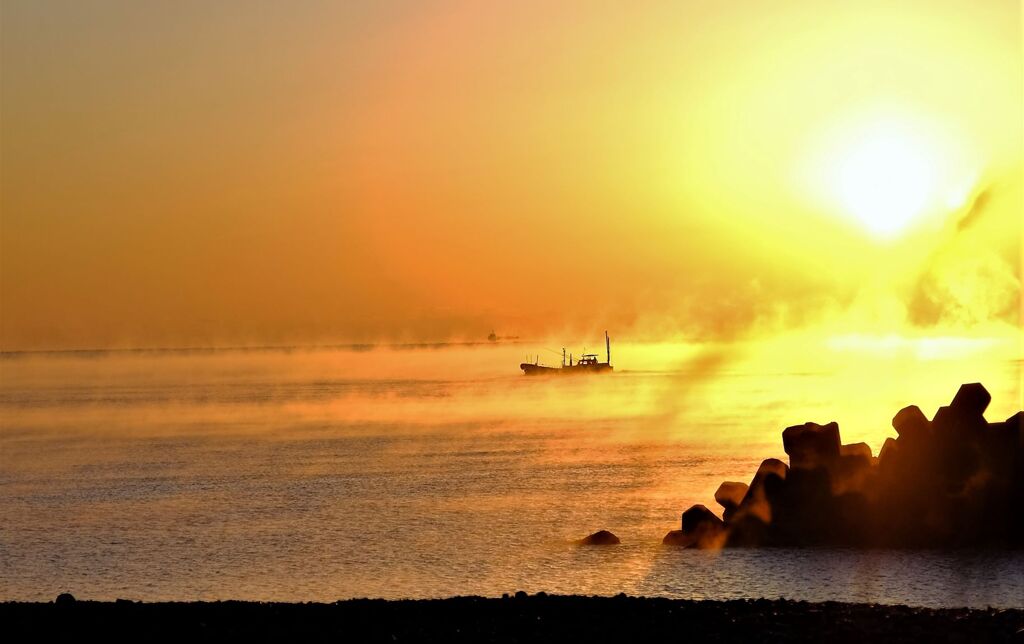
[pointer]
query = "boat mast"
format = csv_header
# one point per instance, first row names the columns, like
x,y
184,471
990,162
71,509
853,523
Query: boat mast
x,y
608,347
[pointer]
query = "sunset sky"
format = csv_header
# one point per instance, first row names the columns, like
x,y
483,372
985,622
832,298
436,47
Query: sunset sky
x,y
196,173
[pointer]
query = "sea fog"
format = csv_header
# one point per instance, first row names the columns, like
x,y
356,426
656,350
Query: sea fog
x,y
429,471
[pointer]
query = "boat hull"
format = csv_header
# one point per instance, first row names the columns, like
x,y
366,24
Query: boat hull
x,y
575,370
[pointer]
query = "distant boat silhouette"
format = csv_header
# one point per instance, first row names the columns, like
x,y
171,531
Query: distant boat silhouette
x,y
493,337
586,364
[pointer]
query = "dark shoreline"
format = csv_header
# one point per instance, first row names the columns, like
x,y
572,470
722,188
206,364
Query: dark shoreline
x,y
522,618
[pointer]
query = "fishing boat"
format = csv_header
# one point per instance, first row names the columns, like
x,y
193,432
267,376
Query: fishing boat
x,y
588,363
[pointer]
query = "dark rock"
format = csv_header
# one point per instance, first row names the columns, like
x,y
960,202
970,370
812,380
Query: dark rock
x,y
957,430
678,538
850,524
889,449
599,538
65,599
756,501
1016,424
911,423
1000,444
770,466
746,530
856,449
696,516
950,423
851,471
954,481
851,474
729,495
703,528
956,455
811,445
971,399
800,509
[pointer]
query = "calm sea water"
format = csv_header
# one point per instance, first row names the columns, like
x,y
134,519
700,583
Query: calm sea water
x,y
429,472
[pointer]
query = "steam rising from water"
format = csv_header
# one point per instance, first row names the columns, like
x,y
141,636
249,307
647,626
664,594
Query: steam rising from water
x,y
311,474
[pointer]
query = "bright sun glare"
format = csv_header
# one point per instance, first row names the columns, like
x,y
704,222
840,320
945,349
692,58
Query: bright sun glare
x,y
885,179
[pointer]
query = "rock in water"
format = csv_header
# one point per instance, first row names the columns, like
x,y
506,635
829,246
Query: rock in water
x,y
971,399
701,529
811,445
755,503
599,538
677,538
862,450
697,516
953,481
889,448
729,495
910,423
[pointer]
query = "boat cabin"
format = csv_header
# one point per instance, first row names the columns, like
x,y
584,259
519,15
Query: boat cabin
x,y
588,363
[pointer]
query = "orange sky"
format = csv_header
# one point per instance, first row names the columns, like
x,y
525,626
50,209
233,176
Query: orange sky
x,y
181,173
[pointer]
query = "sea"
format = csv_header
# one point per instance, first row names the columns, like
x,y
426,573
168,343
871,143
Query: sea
x,y
421,471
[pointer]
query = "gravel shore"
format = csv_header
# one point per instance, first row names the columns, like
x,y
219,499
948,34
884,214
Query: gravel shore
x,y
519,618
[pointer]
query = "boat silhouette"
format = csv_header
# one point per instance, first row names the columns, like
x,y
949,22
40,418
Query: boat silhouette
x,y
588,363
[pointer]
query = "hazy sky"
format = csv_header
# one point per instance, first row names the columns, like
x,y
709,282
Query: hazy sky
x,y
194,173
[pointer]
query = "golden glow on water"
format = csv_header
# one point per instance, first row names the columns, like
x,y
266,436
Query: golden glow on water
x,y
317,474
782,211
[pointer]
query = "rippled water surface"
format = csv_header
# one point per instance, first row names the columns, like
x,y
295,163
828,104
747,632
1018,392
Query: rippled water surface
x,y
426,472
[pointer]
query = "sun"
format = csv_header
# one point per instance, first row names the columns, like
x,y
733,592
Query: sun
x,y
885,179
891,170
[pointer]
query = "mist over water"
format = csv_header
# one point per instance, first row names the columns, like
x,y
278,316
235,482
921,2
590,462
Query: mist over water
x,y
319,474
